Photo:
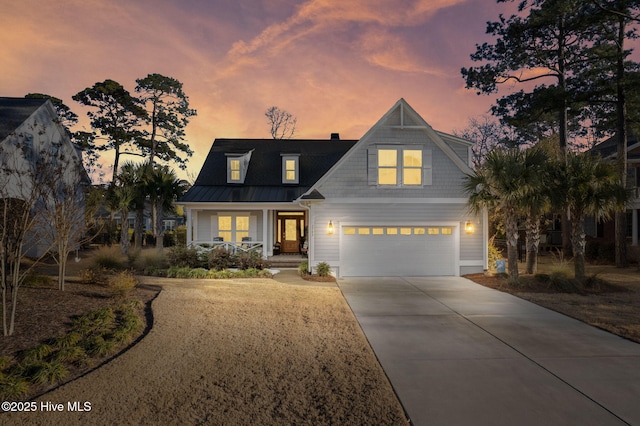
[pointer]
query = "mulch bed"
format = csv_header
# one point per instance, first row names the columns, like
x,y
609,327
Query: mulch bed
x,y
46,312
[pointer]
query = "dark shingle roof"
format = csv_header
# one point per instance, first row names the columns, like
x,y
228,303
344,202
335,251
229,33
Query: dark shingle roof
x,y
14,111
263,181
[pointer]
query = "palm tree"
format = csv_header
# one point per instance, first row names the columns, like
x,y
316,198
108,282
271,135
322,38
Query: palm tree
x,y
164,188
590,187
121,198
535,201
497,184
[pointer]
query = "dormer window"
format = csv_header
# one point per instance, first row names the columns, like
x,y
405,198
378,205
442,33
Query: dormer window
x,y
237,165
290,168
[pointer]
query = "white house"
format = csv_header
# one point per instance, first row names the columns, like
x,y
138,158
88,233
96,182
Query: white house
x,y
33,142
389,204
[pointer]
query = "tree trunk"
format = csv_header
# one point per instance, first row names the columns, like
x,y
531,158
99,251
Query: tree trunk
x,y
621,131
124,233
578,239
511,225
158,225
532,243
138,228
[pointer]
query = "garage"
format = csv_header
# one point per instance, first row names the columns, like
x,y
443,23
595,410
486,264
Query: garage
x,y
398,250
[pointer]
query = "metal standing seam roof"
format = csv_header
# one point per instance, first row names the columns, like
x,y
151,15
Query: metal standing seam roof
x,y
263,181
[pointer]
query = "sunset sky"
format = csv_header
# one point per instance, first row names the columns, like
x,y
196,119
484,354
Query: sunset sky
x,y
336,65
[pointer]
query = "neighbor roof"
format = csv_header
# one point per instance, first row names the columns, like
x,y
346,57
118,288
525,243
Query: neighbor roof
x,y
14,112
263,181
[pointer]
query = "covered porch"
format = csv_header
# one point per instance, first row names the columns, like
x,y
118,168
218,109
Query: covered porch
x,y
275,230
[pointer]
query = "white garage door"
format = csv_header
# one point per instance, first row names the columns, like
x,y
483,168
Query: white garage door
x,y
397,251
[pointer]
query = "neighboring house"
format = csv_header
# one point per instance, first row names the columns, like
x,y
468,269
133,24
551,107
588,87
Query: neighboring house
x,y
605,230
30,134
390,203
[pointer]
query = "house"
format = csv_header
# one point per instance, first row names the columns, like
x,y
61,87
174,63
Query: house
x,y
388,204
605,230
31,135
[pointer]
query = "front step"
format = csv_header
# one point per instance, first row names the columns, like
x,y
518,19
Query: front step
x,y
286,261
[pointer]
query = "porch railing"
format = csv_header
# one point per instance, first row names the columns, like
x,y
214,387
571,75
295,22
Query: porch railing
x,y
230,246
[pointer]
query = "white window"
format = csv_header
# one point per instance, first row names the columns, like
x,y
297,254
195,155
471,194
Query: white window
x,y
290,168
232,227
399,166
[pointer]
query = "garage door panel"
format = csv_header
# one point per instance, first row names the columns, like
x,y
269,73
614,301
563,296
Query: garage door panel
x,y
417,254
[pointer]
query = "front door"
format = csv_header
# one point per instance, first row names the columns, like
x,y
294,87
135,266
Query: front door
x,y
290,228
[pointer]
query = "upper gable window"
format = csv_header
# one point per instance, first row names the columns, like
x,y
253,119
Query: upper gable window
x,y
399,166
290,169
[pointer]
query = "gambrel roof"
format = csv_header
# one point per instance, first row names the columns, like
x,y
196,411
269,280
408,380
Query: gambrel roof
x,y
263,180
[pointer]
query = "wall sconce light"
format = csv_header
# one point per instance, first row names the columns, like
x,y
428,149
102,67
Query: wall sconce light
x,y
468,227
330,228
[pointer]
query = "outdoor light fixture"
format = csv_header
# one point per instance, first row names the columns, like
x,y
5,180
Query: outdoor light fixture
x,y
330,228
468,227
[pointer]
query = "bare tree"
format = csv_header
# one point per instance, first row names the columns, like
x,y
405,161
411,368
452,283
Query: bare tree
x,y
61,219
283,124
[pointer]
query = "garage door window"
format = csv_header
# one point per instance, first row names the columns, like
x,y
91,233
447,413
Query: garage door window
x,y
402,230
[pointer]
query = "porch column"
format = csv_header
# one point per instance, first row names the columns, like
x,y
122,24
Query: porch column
x,y
265,233
189,226
634,227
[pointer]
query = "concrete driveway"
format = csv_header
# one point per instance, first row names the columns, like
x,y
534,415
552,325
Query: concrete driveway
x,y
458,353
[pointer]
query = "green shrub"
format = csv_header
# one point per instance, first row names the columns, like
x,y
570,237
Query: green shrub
x,y
72,354
220,258
494,254
35,354
323,269
181,256
178,272
252,259
67,340
303,269
99,346
199,273
13,388
47,372
181,235
122,284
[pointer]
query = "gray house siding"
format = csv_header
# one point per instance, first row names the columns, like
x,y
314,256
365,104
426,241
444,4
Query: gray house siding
x,y
352,179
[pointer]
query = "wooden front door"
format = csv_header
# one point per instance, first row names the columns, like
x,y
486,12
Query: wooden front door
x,y
289,227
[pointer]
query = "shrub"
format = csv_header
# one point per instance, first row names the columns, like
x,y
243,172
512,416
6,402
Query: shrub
x,y
121,284
99,346
178,272
35,354
47,372
109,258
181,256
494,254
91,276
199,273
252,259
13,388
71,354
323,269
181,235
38,280
220,258
303,269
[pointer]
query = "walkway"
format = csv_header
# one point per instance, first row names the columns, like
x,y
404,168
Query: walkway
x,y
458,353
